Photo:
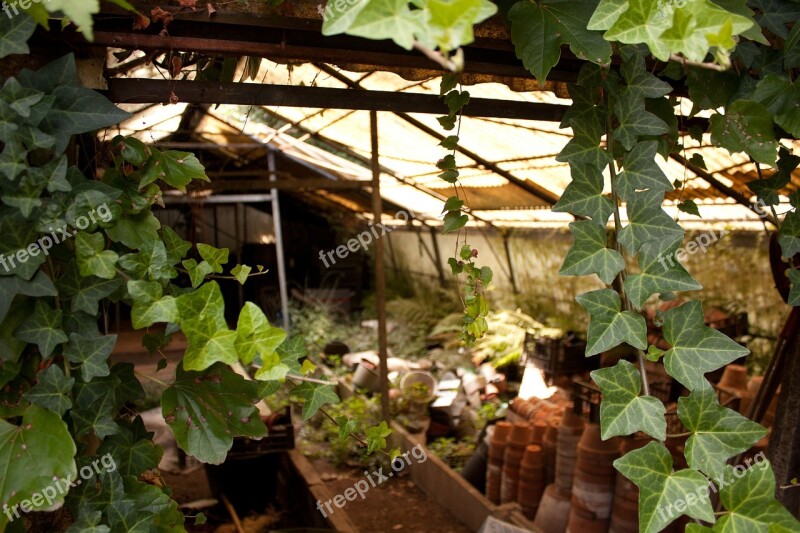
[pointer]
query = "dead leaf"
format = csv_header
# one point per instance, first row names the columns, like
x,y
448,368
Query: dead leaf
x,y
141,22
176,66
159,15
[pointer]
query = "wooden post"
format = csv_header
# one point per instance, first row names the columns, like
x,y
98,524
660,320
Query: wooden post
x,y
511,277
380,273
438,255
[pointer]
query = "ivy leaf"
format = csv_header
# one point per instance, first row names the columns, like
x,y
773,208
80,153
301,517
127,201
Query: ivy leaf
x,y
453,204
453,221
96,404
92,353
205,301
635,120
133,449
254,335
639,21
149,306
93,260
52,390
176,169
11,286
747,127
376,437
590,255
135,230
197,273
449,24
42,328
690,207
175,247
207,344
539,29
641,171
32,454
794,293
610,327
751,504
207,409
647,222
660,273
623,411
286,358
582,149
450,142
775,14
14,35
650,468
385,19
718,433
314,395
150,263
767,188
240,272
584,195
85,293
654,354
215,257
696,348
640,82
346,426
88,522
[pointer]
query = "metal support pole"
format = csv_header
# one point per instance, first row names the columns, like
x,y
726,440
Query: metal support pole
x,y
276,224
511,276
438,254
238,233
380,273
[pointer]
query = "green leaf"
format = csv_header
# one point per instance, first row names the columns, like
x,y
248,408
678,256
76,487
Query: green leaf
x,y
175,246
207,409
276,365
133,449
590,255
92,353
240,272
539,29
150,263
208,344
584,150
205,301
376,437
609,326
14,34
450,142
32,455
794,293
176,169
623,411
383,19
635,120
215,257
767,188
633,22
789,234
654,354
650,468
690,207
135,230
584,195
42,328
347,426
52,390
751,504
315,396
640,82
93,260
149,306
456,100
255,336
718,433
641,171
85,293
647,222
197,273
448,23
453,204
660,272
696,348
454,221
11,286
747,127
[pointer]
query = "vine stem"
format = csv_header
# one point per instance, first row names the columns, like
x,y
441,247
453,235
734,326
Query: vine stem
x,y
626,303
310,380
680,435
151,378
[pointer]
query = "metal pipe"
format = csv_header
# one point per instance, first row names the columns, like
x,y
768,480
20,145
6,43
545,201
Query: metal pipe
x,y
276,224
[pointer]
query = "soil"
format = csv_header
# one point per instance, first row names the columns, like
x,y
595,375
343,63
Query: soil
x,y
395,505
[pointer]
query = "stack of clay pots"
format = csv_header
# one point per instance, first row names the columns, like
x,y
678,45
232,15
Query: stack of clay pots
x,y
531,480
553,511
569,433
550,445
539,430
518,440
494,467
593,484
625,510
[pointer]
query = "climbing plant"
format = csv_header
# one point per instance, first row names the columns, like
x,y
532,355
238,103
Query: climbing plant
x,y
70,244
739,62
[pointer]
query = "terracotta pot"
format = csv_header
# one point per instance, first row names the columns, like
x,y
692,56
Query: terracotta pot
x,y
553,512
570,419
539,429
591,441
502,430
520,434
734,377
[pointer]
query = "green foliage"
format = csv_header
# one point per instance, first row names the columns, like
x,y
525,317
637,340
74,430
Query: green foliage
x,y
376,437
